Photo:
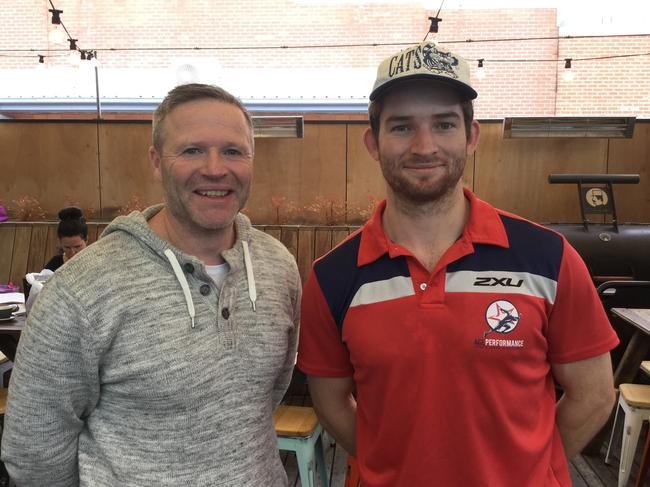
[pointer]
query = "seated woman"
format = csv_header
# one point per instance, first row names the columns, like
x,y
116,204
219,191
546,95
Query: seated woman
x,y
73,235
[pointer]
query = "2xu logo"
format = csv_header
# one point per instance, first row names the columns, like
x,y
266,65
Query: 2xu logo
x,y
496,281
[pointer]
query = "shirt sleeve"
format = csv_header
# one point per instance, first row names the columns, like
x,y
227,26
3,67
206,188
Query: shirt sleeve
x,y
578,326
54,386
321,351
284,378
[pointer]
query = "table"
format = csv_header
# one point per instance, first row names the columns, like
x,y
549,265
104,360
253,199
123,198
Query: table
x,y
13,326
9,335
635,352
638,346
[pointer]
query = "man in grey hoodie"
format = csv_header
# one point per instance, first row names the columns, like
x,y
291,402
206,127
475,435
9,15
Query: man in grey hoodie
x,y
158,354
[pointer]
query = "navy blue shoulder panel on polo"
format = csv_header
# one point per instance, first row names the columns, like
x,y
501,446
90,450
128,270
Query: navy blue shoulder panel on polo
x,y
533,249
340,278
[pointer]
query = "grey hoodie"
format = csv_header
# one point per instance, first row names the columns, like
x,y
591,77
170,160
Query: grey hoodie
x,y
131,373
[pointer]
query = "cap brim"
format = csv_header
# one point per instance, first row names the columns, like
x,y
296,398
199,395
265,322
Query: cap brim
x,y
466,92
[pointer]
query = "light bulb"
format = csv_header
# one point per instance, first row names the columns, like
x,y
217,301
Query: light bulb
x,y
56,36
480,70
74,58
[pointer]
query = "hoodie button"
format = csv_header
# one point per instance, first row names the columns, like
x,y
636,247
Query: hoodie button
x,y
225,313
189,268
204,289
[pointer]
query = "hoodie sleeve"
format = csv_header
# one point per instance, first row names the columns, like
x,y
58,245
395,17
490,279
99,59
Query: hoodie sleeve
x,y
284,377
54,387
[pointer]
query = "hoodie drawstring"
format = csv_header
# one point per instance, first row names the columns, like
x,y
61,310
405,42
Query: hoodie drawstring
x,y
250,277
183,282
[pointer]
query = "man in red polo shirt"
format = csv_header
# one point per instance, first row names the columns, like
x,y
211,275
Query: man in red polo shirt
x,y
433,337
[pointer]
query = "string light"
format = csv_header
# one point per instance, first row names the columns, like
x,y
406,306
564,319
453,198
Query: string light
x,y
56,15
435,20
56,35
91,55
433,28
480,71
73,59
568,72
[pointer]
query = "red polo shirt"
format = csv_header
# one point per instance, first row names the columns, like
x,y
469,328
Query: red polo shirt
x,y
452,367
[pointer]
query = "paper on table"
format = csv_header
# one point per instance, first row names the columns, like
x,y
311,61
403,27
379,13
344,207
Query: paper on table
x,y
12,298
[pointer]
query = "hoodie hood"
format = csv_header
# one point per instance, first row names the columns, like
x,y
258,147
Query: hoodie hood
x,y
238,256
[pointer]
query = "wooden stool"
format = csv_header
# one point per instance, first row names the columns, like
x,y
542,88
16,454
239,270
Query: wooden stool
x,y
3,401
352,475
634,399
299,431
5,366
643,466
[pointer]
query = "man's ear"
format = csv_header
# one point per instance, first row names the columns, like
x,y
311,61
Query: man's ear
x,y
472,141
156,163
371,143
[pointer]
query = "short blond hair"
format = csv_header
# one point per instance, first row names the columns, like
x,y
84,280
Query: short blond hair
x,y
185,94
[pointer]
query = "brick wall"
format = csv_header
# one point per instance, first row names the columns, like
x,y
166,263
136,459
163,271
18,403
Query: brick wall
x,y
620,86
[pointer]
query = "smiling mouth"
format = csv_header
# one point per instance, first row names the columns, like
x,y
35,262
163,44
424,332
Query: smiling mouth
x,y
420,167
213,193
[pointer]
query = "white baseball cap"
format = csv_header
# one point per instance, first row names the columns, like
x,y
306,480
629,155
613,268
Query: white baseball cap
x,y
426,60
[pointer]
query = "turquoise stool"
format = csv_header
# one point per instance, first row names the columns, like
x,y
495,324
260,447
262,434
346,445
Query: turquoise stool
x,y
299,431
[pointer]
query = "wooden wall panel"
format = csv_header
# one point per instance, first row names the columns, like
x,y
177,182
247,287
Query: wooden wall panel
x,y
512,174
92,233
364,178
468,173
338,235
274,232
21,254
37,249
289,237
298,170
305,253
632,156
100,229
126,174
7,234
52,245
56,163
322,242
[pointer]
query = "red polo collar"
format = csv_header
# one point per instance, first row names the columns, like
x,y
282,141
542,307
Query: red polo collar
x,y
484,226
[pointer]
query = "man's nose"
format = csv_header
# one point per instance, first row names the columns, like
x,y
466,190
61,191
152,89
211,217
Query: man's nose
x,y
215,164
425,143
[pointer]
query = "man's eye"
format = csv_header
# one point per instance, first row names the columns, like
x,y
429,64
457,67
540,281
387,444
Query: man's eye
x,y
400,128
192,151
232,152
446,125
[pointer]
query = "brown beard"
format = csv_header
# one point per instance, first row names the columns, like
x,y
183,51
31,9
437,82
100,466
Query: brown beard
x,y
412,192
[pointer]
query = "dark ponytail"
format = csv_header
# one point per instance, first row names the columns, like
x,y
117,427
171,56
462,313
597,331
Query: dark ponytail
x,y
72,223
